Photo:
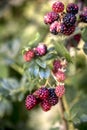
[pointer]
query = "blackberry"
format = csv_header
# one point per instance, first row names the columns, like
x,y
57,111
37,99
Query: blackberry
x,y
72,8
69,19
50,17
53,99
45,105
60,90
77,37
60,76
56,65
53,28
58,7
67,30
83,17
40,50
29,55
42,93
30,102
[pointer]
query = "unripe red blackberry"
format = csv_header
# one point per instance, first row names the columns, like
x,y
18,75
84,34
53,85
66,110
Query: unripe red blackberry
x,y
30,102
45,105
56,65
53,99
77,37
83,17
40,50
67,30
60,76
29,55
69,19
42,93
53,28
60,90
58,7
72,8
50,17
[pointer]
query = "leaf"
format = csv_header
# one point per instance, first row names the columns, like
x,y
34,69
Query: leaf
x,y
44,73
36,70
84,34
83,118
34,42
41,63
60,48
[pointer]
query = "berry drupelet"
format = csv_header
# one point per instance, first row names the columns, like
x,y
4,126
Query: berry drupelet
x,y
53,99
58,7
72,8
69,19
42,93
29,55
40,50
50,17
60,90
30,102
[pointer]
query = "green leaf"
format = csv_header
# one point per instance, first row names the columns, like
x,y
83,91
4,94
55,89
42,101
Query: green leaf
x,y
41,63
60,48
84,34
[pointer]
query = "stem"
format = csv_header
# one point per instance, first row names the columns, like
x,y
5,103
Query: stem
x,y
66,107
62,110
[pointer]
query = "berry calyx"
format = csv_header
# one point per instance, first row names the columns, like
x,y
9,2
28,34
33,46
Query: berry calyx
x,y
40,50
69,19
30,102
50,17
72,8
45,105
53,99
58,7
42,93
60,90
29,55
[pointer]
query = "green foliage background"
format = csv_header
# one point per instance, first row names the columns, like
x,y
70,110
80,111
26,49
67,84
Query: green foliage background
x,y
20,22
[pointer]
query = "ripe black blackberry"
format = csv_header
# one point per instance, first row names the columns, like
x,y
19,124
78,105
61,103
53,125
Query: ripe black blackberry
x,y
53,99
83,17
50,17
72,8
30,102
67,30
42,93
69,19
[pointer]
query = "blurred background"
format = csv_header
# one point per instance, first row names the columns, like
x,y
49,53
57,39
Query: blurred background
x,y
20,21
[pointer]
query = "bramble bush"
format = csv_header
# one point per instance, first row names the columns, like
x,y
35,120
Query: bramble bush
x,y
43,56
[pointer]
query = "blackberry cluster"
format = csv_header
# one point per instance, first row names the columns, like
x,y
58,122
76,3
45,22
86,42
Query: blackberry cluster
x,y
65,22
40,50
46,97
83,15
